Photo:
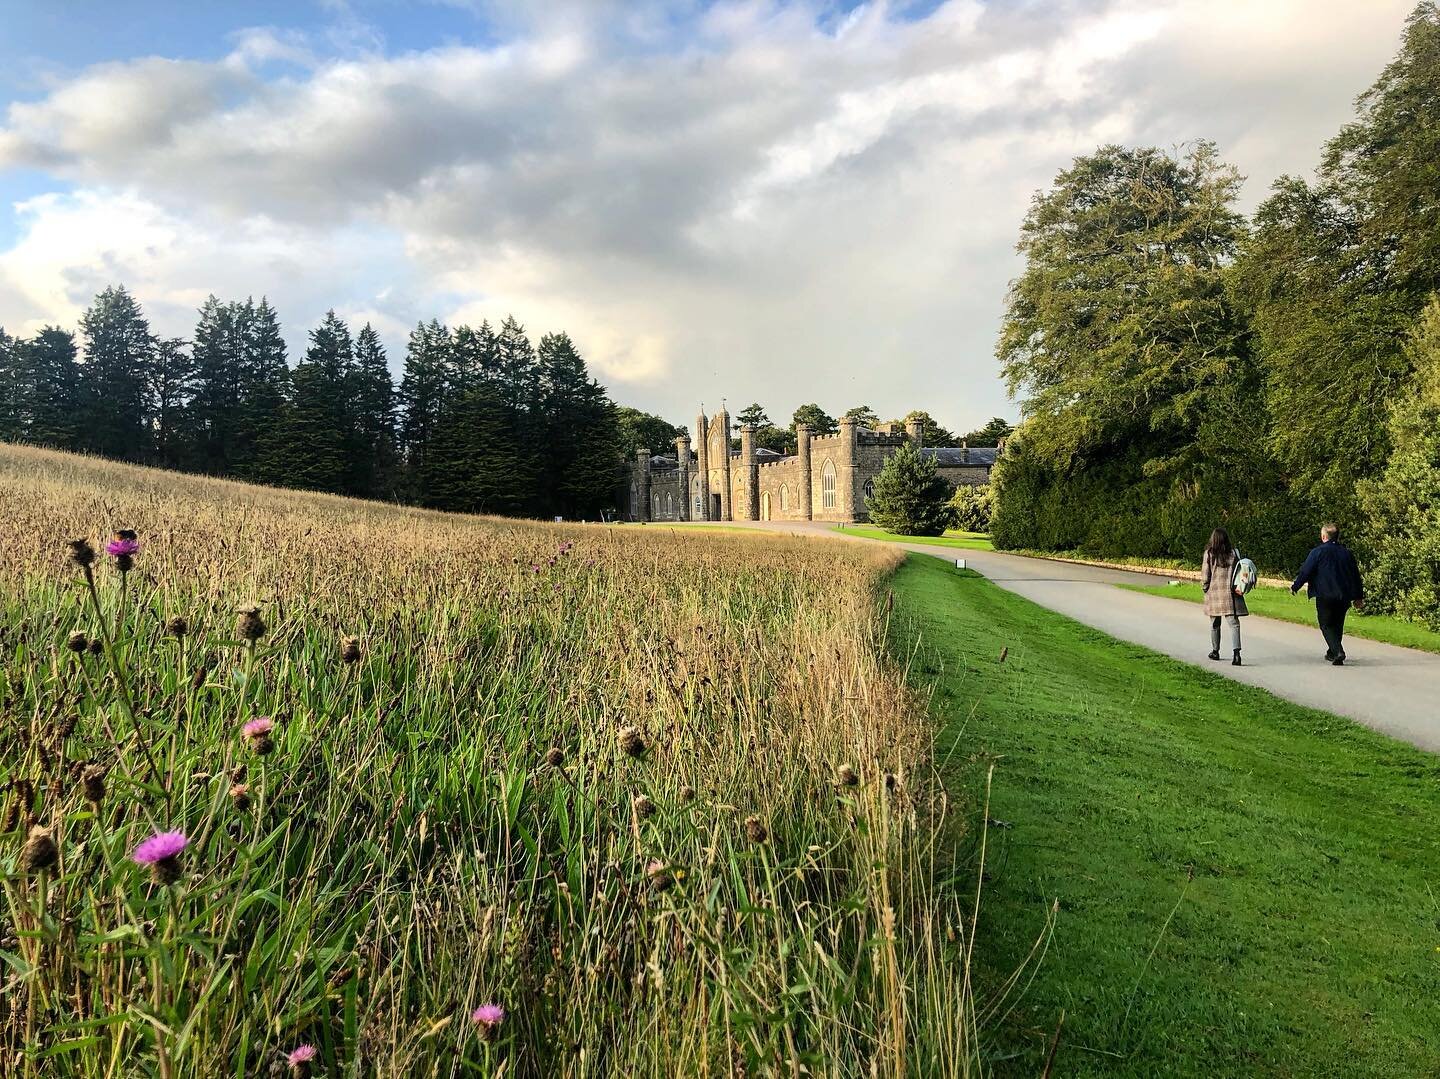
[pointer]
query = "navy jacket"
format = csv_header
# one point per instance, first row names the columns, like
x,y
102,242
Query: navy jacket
x,y
1331,573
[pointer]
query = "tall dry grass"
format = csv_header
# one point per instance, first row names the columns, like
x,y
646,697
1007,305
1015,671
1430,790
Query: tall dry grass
x,y
455,817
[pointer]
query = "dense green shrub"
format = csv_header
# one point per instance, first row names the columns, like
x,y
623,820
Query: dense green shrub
x,y
972,507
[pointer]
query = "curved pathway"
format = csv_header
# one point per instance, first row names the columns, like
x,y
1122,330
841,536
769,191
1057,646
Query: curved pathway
x,y
1394,690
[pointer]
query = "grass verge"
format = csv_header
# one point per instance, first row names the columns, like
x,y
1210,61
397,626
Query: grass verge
x,y
1243,886
1279,603
969,541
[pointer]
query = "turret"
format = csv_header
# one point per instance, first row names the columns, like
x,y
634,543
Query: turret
x,y
750,511
642,483
915,431
702,464
721,423
682,460
802,452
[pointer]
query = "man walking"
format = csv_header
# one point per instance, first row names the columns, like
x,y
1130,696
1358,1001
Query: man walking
x,y
1334,581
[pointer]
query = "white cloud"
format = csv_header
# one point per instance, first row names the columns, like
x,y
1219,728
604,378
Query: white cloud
x,y
751,199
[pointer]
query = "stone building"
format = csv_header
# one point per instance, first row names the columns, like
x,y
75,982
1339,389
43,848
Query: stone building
x,y
828,478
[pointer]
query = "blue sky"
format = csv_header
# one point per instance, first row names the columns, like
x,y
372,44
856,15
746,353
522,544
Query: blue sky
x,y
784,202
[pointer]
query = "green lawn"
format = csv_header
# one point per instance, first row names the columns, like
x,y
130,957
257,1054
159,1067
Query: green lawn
x,y
1244,886
969,541
1279,603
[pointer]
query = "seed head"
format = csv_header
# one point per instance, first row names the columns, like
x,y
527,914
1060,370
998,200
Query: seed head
x,y
81,553
687,793
96,646
249,626
644,807
846,776
40,851
350,650
177,626
555,757
755,830
659,876
632,742
92,782
77,642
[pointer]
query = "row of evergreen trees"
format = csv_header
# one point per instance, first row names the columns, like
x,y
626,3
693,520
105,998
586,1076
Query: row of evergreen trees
x,y
1181,366
481,421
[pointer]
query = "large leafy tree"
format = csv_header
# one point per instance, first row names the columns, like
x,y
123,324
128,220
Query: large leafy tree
x,y
638,429
1403,503
991,433
819,421
910,497
1338,269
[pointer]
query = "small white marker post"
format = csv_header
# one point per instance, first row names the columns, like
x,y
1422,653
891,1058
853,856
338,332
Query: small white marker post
x,y
959,563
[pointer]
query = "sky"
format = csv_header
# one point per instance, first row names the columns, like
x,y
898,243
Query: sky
x,y
747,200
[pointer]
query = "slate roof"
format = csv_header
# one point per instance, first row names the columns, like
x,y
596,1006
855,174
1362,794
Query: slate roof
x,y
961,457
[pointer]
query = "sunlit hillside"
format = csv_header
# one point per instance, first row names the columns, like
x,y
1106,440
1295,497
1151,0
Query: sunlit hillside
x,y
454,795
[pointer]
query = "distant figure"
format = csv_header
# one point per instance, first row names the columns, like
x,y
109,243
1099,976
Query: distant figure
x,y
1222,601
1334,581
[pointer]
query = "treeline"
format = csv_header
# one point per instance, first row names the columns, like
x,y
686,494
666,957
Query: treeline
x,y
1181,366
481,421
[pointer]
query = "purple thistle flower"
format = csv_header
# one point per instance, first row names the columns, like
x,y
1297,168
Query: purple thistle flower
x,y
160,847
487,1017
257,728
301,1054
122,546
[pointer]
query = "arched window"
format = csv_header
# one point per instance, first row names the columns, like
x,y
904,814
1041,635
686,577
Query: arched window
x,y
670,503
869,491
827,486
784,496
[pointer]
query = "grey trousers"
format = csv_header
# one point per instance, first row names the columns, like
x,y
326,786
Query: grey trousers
x,y
1234,621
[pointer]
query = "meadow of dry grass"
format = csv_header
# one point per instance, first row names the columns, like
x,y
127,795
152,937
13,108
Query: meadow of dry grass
x,y
597,777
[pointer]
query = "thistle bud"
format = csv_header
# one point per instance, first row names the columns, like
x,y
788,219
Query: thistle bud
x,y
96,646
40,851
755,830
644,807
81,552
659,877
177,626
92,782
240,796
350,650
555,757
77,642
632,742
687,793
249,626
846,776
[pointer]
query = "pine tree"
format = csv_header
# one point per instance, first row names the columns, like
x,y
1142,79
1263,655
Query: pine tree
x,y
754,415
263,390
216,399
910,498
374,397
317,441
422,399
119,351
172,387
47,389
581,444
9,388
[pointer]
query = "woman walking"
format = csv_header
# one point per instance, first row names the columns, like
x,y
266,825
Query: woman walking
x,y
1222,602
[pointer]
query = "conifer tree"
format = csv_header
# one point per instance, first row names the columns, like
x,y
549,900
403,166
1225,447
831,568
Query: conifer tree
x,y
317,440
115,378
581,448
46,389
422,399
374,431
910,498
9,388
819,421
172,386
263,390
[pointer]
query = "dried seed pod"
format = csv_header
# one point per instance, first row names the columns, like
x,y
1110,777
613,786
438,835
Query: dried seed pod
x,y
644,807
632,742
92,782
81,552
350,650
240,796
659,876
249,626
846,776
177,626
77,642
755,830
687,793
97,646
555,757
40,851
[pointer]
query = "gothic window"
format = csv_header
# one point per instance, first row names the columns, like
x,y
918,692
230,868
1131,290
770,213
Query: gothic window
x,y
869,491
827,486
784,496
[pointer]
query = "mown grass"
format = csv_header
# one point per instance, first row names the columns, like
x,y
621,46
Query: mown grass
x,y
590,775
1279,603
969,541
1239,886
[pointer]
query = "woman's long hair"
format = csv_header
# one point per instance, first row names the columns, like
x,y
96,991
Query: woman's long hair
x,y
1219,548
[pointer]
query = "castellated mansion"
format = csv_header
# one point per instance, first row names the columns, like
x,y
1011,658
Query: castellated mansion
x,y
828,478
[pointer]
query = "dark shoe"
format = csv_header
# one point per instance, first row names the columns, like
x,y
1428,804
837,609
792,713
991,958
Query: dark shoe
x,y
1338,661
1215,654
1329,655
1236,661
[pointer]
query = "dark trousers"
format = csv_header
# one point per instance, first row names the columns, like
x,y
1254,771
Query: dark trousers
x,y
1331,615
